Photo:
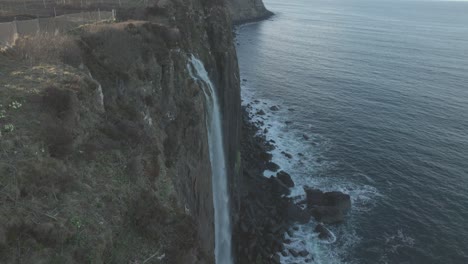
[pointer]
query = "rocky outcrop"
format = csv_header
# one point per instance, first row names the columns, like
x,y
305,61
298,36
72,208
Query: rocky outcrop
x,y
115,166
243,11
328,207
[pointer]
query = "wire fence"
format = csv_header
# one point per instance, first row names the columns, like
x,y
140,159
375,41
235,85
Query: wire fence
x,y
10,31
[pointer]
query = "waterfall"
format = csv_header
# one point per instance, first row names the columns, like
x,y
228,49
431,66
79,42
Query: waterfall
x,y
218,164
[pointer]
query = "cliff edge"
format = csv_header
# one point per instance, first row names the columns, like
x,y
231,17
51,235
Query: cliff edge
x,y
243,11
104,154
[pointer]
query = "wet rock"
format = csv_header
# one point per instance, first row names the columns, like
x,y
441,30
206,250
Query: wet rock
x,y
338,199
261,112
291,109
294,253
323,232
244,80
328,214
314,197
287,155
288,122
303,253
285,178
327,207
304,136
272,166
276,259
297,214
274,108
278,187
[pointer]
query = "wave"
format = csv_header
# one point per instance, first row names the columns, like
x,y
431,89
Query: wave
x,y
300,155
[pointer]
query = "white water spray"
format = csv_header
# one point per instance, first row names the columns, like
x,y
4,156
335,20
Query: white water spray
x,y
218,164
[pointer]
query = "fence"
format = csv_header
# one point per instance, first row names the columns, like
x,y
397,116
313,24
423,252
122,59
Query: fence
x,y
10,31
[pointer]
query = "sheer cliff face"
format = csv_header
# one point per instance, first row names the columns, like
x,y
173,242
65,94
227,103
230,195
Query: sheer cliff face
x,y
125,123
247,10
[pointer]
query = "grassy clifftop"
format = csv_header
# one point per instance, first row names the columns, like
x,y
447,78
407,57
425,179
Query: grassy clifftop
x,y
74,188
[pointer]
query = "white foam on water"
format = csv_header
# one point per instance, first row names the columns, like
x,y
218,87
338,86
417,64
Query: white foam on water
x,y
304,170
222,220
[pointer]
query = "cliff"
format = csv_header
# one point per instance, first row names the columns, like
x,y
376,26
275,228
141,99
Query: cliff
x,y
243,11
104,155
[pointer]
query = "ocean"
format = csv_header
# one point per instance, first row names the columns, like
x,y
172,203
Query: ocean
x,y
373,101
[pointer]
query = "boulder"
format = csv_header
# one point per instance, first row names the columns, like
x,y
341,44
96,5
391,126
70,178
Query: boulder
x,y
274,108
294,253
314,197
328,214
338,199
272,166
323,232
297,214
261,112
287,155
285,178
278,187
303,253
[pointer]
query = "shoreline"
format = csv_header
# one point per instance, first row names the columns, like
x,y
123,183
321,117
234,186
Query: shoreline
x,y
266,214
268,217
260,18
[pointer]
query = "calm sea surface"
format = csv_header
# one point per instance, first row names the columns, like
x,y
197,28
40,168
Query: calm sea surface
x,y
373,99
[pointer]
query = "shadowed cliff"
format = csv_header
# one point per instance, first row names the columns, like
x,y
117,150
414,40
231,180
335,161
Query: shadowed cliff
x,y
104,153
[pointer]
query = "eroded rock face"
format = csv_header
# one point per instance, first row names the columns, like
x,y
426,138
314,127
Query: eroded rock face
x,y
328,207
247,10
142,67
285,178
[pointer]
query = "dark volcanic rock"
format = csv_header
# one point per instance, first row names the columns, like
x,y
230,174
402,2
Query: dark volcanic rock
x,y
274,108
278,187
265,213
338,199
287,155
297,214
294,253
272,166
261,112
323,232
285,178
328,214
327,207
314,197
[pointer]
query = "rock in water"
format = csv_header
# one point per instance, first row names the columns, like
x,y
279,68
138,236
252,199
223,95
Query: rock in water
x,y
338,199
297,214
274,108
278,187
272,166
285,178
323,232
328,214
314,197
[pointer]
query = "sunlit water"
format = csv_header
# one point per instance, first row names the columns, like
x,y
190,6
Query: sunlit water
x,y
380,91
